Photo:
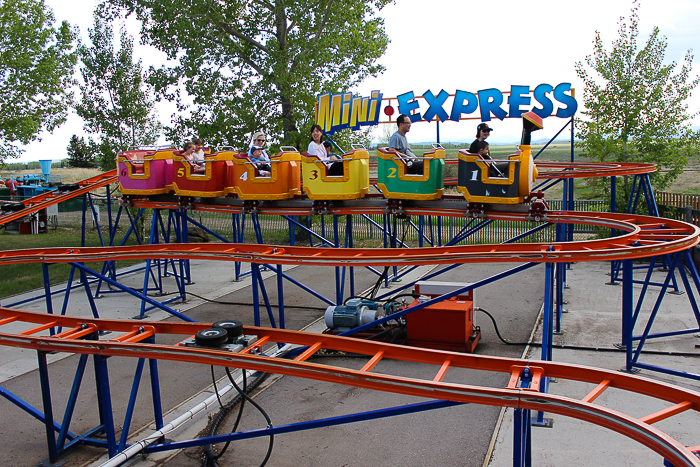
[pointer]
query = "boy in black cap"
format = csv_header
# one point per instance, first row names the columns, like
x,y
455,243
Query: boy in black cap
x,y
259,161
482,132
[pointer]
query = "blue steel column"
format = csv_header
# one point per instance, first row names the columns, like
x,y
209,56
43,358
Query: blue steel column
x,y
336,244
155,389
47,292
547,335
255,274
48,409
72,400
348,236
185,239
522,429
280,296
132,402
559,282
627,306
104,400
613,201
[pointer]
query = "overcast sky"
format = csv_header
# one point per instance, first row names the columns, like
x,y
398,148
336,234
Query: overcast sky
x,y
458,44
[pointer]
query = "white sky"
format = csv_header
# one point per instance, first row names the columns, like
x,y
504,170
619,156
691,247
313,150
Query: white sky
x,y
455,44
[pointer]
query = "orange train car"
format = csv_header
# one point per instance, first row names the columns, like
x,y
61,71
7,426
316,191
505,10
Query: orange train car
x,y
282,182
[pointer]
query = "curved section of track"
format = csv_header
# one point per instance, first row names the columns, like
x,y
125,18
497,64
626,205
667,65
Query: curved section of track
x,y
126,340
37,203
642,236
549,170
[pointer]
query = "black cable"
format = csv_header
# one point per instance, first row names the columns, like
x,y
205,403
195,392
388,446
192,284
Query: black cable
x,y
579,347
219,302
216,390
262,412
238,418
209,453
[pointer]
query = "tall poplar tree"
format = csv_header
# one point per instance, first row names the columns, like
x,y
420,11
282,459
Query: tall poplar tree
x,y
258,65
36,73
117,103
635,103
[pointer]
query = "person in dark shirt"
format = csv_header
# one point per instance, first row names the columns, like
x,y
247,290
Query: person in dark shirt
x,y
482,132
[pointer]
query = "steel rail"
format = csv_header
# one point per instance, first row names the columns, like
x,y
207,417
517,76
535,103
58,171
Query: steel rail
x,y
129,345
44,200
643,236
549,170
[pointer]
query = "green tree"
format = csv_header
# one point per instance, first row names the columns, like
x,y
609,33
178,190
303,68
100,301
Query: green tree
x,y
80,153
117,104
36,69
635,103
251,65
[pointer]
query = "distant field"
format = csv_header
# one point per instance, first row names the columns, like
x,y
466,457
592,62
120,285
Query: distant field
x,y
68,175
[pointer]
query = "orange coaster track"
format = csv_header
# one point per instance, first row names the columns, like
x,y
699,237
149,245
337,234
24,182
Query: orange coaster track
x,y
50,198
643,236
72,339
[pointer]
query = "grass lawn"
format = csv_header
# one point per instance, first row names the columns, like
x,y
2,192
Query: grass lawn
x,y
20,278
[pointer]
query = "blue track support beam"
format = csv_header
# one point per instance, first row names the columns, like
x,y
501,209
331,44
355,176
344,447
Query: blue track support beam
x,y
308,425
132,403
642,339
627,306
135,294
293,222
256,299
47,293
104,400
668,371
280,296
522,428
155,389
349,244
302,286
552,139
31,410
547,333
270,315
184,218
48,408
336,244
72,400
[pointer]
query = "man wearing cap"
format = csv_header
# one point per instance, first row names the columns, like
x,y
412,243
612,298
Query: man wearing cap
x,y
482,132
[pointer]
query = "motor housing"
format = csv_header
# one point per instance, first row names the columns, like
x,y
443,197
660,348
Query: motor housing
x,y
355,312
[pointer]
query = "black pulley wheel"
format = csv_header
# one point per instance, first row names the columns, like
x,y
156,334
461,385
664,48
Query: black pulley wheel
x,y
68,187
12,207
213,337
233,328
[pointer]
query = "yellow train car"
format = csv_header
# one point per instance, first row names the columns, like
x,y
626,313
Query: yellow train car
x,y
353,183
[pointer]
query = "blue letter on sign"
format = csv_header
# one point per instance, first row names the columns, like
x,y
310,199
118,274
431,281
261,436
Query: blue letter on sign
x,y
458,106
435,103
407,103
568,101
519,95
541,97
490,101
